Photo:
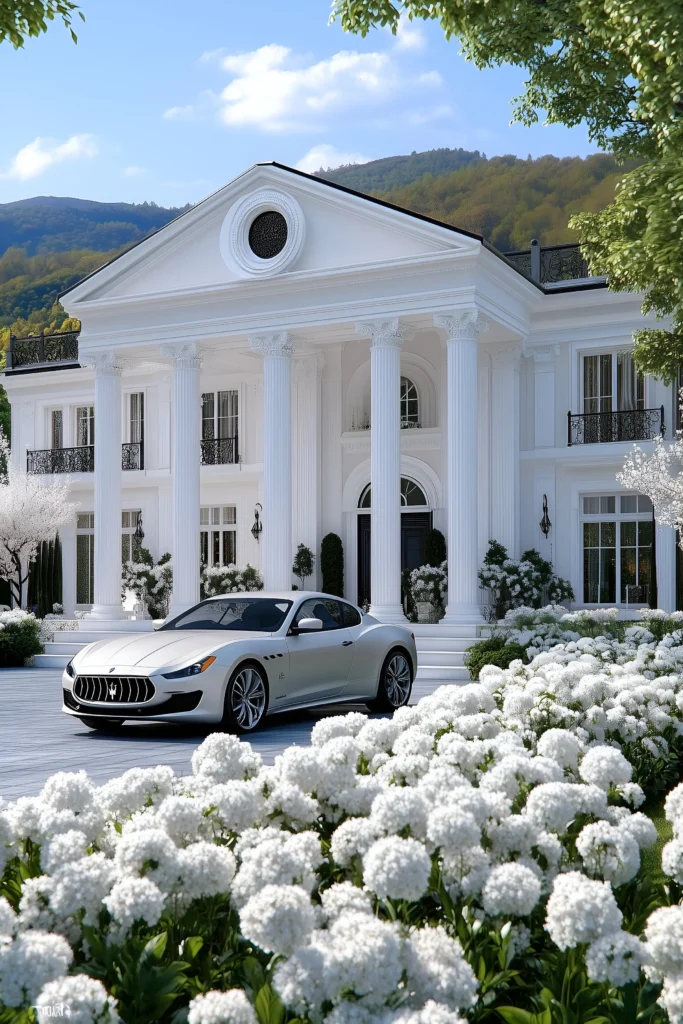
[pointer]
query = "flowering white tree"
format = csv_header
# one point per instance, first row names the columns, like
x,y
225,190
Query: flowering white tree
x,y
659,474
31,510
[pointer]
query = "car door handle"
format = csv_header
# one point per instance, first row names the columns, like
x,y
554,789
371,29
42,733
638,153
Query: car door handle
x,y
346,643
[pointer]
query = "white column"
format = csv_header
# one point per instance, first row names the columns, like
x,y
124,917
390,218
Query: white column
x,y
666,568
107,506
385,466
462,329
276,349
306,457
185,469
505,447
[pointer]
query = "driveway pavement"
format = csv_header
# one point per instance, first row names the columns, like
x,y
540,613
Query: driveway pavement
x,y
37,739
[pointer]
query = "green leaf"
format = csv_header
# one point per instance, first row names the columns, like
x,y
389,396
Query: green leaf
x,y
514,1015
192,946
269,1009
156,947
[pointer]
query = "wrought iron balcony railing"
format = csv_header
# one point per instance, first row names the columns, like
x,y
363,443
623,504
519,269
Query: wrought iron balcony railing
x,y
133,455
219,451
603,427
80,459
46,349
551,264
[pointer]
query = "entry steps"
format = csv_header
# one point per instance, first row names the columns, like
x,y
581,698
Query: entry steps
x,y
440,653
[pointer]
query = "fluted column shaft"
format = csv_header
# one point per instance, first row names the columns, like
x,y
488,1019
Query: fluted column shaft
x,y
185,462
462,329
276,349
107,505
505,447
385,467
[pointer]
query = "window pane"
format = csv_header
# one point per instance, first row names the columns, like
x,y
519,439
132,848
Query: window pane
x,y
628,575
591,506
608,535
57,428
645,533
591,535
85,543
608,574
229,547
628,535
215,516
605,383
608,505
203,517
645,571
628,504
215,547
351,616
227,413
590,384
83,521
644,504
328,612
204,547
207,416
229,514
136,431
591,575
626,381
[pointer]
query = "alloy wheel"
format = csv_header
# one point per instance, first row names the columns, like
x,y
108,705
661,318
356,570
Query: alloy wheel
x,y
397,680
248,698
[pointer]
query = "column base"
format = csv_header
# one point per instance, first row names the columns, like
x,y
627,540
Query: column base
x,y
392,613
106,611
462,615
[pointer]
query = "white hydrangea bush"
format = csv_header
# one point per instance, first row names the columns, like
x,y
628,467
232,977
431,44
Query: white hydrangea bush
x,y
470,856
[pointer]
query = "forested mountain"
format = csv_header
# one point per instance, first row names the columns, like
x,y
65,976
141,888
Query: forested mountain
x,y
56,224
395,171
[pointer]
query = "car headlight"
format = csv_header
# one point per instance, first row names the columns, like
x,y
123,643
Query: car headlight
x,y
190,670
70,670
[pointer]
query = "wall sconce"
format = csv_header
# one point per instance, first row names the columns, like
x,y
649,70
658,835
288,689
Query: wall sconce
x,y
139,532
545,523
257,528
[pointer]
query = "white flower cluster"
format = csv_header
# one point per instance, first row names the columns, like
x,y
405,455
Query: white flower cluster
x,y
230,579
429,582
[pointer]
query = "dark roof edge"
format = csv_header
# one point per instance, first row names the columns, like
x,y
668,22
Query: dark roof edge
x,y
43,368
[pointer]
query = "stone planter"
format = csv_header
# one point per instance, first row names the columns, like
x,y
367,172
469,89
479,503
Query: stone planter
x,y
426,612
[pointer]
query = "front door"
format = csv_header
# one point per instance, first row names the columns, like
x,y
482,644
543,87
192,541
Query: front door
x,y
319,662
414,528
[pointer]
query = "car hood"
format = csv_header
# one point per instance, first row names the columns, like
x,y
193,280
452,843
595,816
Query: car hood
x,y
149,651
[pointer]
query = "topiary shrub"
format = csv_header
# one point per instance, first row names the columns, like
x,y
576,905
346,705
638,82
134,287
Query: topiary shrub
x,y
19,638
494,650
332,564
435,548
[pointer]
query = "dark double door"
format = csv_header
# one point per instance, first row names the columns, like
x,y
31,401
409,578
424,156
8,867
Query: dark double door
x,y
414,527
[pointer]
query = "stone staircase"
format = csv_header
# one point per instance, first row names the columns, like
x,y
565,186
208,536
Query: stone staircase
x,y
61,650
441,652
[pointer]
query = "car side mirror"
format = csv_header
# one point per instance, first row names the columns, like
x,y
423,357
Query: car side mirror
x,y
307,626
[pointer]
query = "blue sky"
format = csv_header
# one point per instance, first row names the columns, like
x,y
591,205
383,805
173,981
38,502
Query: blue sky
x,y
166,101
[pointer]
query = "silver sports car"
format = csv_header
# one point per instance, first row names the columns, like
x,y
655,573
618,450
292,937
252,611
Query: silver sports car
x,y
234,659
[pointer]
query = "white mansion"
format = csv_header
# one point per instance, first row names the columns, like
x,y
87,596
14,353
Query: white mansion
x,y
295,354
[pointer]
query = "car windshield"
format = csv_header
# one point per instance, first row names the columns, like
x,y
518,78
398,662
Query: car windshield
x,y
257,614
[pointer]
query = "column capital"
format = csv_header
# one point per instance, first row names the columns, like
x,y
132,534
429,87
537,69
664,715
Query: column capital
x,y
508,355
105,364
389,333
544,355
462,324
273,344
187,356
309,366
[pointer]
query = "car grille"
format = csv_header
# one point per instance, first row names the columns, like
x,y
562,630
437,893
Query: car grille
x,y
114,689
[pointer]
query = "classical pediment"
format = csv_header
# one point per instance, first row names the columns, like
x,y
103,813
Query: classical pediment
x,y
271,222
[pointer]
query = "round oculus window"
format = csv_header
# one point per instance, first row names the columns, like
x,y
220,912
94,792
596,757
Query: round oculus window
x,y
268,235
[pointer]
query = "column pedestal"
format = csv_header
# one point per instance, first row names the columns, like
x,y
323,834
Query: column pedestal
x,y
107,505
385,467
464,594
185,468
276,349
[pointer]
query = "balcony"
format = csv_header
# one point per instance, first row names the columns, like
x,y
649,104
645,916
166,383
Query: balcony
x,y
219,451
606,427
81,459
551,264
47,350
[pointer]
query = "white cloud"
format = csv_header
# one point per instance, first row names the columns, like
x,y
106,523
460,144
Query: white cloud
x,y
36,157
409,36
430,114
133,172
274,90
328,156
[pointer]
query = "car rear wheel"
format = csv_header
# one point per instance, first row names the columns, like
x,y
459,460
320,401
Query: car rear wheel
x,y
246,699
395,683
103,724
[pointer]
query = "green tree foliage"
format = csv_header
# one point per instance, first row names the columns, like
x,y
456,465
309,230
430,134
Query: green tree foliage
x,y
395,171
304,561
22,18
435,548
332,564
55,224
614,64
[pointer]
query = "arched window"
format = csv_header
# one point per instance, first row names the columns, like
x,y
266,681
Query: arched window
x,y
410,411
411,495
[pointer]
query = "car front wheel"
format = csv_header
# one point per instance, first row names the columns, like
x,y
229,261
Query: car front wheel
x,y
395,683
246,699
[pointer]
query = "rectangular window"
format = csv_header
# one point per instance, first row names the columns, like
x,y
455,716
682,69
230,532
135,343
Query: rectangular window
x,y
597,383
219,415
208,416
85,558
218,535
85,425
130,547
612,383
136,417
57,428
630,384
617,549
